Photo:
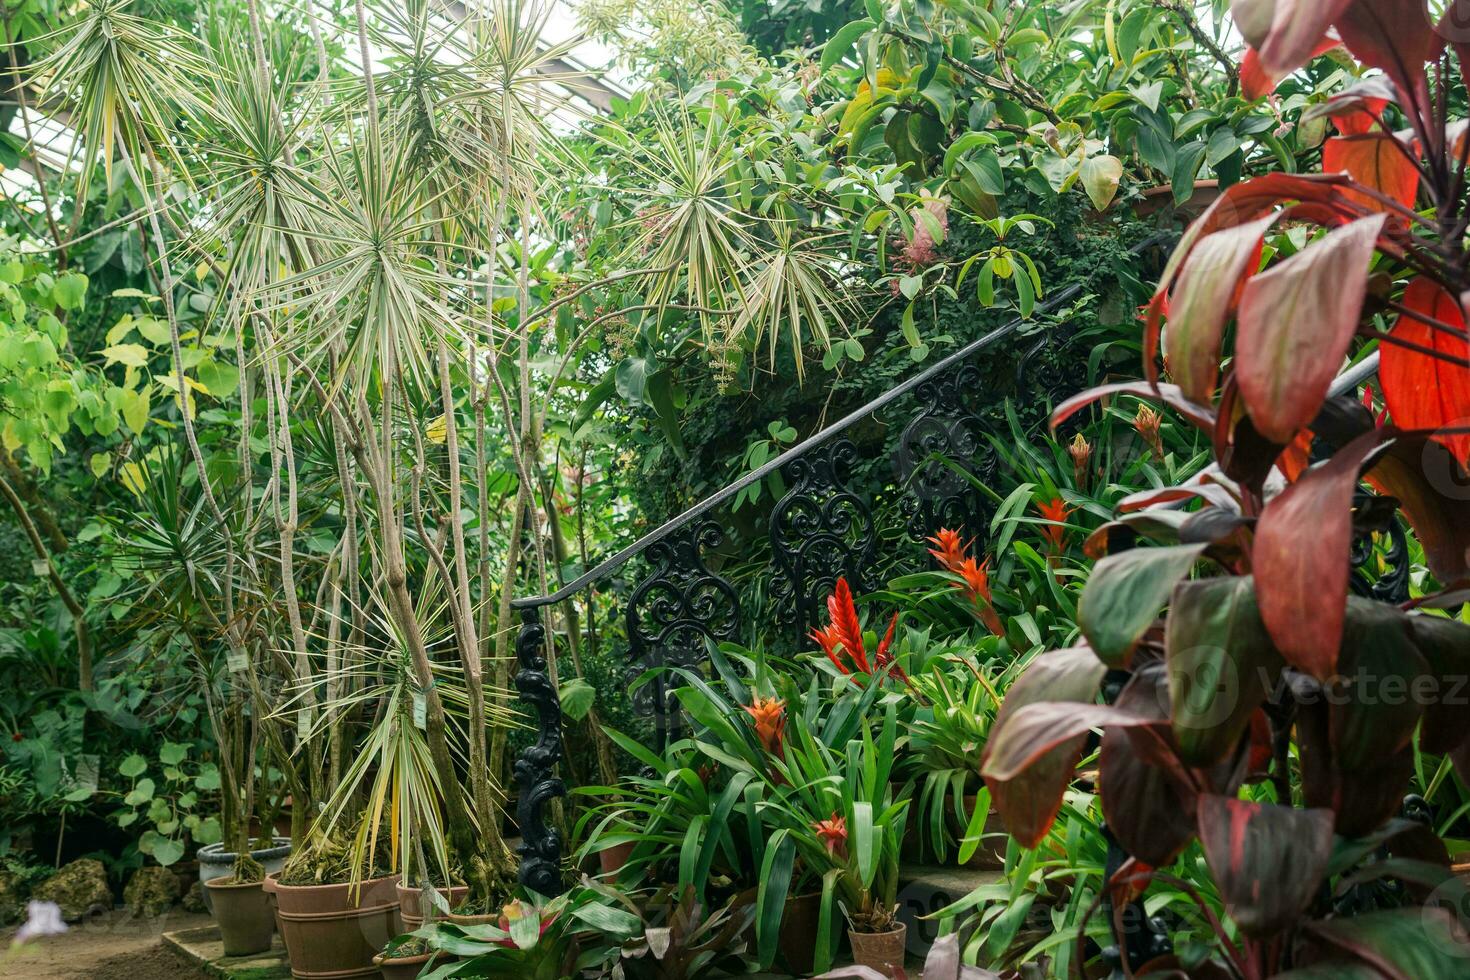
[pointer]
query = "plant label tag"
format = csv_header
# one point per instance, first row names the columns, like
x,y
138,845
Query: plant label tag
x,y
237,661
40,567
303,726
420,710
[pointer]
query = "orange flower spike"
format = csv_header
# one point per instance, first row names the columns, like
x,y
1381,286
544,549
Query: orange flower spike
x,y
949,548
1056,510
769,716
1147,423
881,659
977,582
833,832
846,625
1081,452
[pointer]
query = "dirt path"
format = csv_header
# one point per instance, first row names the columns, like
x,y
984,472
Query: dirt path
x,y
111,947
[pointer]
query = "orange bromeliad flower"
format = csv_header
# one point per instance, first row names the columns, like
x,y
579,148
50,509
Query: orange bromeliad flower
x,y
1081,452
769,715
833,832
1056,510
953,556
1147,422
842,639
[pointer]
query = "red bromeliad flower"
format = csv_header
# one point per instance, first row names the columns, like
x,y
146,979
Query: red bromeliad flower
x,y
516,911
769,715
842,639
833,832
954,558
1056,510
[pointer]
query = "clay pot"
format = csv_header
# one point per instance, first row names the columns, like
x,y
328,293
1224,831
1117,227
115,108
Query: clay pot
x,y
215,861
243,911
881,951
410,902
796,940
1160,199
334,931
612,859
406,967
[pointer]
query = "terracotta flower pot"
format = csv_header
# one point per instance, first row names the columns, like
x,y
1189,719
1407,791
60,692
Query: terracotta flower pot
x,y
796,939
1161,199
406,967
410,903
613,858
243,911
881,951
215,861
334,931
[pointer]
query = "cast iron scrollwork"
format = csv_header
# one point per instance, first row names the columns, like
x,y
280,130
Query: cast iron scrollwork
x,y
1380,557
674,611
939,447
535,770
820,531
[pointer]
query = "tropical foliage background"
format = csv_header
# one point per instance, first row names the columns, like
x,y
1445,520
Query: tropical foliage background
x,y
331,329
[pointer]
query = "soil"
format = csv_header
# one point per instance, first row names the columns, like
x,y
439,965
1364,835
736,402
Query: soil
x,y
114,946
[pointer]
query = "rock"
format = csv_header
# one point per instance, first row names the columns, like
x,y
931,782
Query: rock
x,y
193,900
151,891
11,906
80,888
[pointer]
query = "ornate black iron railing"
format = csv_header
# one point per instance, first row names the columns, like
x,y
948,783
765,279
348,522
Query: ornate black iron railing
x,y
819,530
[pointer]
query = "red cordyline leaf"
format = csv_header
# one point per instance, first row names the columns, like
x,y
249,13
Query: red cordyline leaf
x,y
1375,160
1257,82
1203,299
1300,560
1423,392
1268,859
1284,32
1395,36
1429,484
1296,322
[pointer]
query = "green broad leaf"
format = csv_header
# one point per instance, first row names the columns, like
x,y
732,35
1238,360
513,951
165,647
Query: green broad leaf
x,y
133,766
70,290
173,753
985,168
839,44
910,331
963,145
154,330
167,851
577,697
142,792
1148,94
99,462
207,831
1223,142
1187,162
1100,176
132,355
207,780
910,286
1125,595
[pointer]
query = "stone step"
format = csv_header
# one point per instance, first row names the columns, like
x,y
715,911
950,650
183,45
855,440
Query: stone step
x,y
925,889
204,948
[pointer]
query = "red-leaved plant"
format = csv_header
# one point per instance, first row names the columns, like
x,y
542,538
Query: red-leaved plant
x,y
1263,667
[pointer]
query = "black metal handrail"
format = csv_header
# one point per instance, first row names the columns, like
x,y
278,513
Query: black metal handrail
x,y
818,509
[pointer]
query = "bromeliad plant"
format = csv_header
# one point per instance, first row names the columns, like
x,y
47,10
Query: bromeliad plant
x,y
1264,668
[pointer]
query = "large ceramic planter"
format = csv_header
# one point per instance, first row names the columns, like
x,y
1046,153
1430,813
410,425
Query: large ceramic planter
x,y
1158,200
410,903
612,859
406,967
243,911
333,932
796,939
881,951
216,862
